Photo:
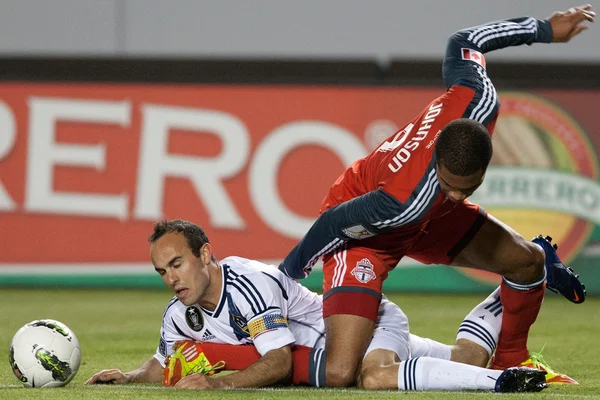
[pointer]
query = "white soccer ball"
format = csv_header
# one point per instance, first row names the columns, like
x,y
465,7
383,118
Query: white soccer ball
x,y
44,353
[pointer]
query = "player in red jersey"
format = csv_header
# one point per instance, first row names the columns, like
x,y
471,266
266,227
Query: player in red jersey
x,y
409,198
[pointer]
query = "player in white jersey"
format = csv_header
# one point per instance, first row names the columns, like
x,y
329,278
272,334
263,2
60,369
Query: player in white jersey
x,y
239,301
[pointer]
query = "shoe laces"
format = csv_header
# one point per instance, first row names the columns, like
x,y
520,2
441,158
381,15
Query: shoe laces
x,y
205,368
538,359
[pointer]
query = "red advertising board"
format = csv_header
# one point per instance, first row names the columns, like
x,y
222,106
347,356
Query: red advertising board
x,y
85,170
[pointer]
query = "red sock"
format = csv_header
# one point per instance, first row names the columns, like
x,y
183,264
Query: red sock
x,y
236,357
240,357
300,360
520,310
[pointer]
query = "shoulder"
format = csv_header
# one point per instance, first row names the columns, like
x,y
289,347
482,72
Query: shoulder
x,y
244,269
254,283
173,307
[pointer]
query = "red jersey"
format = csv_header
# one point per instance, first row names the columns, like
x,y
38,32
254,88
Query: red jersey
x,y
396,185
402,165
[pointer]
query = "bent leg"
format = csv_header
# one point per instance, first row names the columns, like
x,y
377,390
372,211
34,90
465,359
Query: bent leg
x,y
498,248
382,369
353,278
347,338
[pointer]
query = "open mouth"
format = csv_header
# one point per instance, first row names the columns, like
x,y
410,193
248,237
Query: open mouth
x,y
181,292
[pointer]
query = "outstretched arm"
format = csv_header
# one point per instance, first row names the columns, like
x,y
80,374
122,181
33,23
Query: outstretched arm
x,y
148,372
275,366
464,63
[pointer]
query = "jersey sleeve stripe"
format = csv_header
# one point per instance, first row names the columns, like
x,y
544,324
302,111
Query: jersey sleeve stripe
x,y
429,197
491,104
235,285
513,29
177,328
171,302
414,203
254,292
329,247
283,291
416,208
487,101
482,34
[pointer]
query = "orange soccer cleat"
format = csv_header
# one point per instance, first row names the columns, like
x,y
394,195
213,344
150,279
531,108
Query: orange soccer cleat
x,y
187,359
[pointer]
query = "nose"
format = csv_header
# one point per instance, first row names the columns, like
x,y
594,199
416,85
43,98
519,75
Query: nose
x,y
456,196
172,278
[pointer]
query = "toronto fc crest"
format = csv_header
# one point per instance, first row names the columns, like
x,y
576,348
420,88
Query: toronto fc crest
x,y
363,272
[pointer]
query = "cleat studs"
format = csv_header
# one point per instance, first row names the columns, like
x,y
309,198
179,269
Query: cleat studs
x,y
548,239
555,246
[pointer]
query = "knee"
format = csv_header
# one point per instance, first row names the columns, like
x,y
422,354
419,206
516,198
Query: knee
x,y
339,376
371,379
531,265
467,352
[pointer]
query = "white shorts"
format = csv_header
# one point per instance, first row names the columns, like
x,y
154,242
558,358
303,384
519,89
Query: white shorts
x,y
391,331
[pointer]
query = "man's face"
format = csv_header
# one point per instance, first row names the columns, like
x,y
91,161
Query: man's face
x,y
184,273
458,188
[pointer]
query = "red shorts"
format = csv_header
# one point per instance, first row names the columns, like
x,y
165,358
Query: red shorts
x,y
354,273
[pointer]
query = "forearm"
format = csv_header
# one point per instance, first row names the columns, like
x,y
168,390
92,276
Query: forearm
x,y
501,34
354,219
275,366
464,64
148,372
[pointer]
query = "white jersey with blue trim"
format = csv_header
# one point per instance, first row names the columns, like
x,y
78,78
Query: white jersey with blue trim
x,y
259,305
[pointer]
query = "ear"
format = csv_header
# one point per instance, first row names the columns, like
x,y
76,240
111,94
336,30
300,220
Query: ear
x,y
206,253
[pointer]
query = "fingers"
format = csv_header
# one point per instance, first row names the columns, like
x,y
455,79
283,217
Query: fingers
x,y
582,13
106,376
194,381
578,29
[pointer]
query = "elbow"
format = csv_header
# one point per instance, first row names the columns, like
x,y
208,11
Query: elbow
x,y
457,38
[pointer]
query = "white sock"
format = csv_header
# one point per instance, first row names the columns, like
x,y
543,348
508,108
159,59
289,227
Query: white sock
x,y
426,373
424,347
483,324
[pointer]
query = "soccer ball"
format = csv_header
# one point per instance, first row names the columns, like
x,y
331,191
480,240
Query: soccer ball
x,y
44,353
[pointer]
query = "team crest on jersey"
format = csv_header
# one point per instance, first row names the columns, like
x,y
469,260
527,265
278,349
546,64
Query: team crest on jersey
x,y
363,272
237,320
194,318
357,232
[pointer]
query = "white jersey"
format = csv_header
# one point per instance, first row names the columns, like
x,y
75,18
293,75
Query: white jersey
x,y
259,305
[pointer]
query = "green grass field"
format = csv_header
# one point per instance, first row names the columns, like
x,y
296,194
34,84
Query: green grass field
x,y
120,329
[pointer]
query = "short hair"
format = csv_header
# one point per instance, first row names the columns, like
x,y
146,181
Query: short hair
x,y
464,147
194,234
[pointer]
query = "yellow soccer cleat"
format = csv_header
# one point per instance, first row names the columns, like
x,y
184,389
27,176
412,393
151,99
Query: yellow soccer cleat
x,y
536,361
187,359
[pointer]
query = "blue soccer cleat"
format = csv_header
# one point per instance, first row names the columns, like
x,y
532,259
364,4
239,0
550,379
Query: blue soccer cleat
x,y
559,278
